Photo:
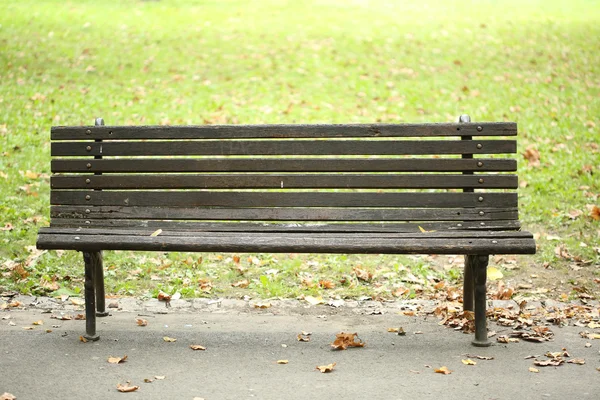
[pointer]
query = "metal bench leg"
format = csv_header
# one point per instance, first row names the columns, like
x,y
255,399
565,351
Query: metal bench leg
x,y
90,259
479,265
468,285
99,285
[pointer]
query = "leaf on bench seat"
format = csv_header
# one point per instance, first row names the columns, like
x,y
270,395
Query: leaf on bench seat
x,y
156,232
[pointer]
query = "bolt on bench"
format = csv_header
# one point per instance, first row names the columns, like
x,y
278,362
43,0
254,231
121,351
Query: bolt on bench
x,y
382,188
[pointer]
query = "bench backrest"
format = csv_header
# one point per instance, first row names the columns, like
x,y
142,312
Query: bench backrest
x,y
382,177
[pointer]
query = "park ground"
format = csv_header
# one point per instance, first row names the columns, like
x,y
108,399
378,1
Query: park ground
x,y
228,62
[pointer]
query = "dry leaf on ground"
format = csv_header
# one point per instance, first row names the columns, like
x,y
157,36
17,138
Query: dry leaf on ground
x,y
326,368
141,322
7,396
468,361
443,370
40,322
578,361
262,305
82,339
363,274
531,369
303,336
344,340
117,360
197,347
164,297
126,388
169,339
282,361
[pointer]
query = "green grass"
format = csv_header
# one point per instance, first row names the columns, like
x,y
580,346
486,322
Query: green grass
x,y
205,62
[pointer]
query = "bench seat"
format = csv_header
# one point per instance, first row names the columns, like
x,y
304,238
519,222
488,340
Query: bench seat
x,y
444,242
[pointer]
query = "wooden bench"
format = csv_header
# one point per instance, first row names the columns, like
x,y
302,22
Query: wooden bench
x,y
380,188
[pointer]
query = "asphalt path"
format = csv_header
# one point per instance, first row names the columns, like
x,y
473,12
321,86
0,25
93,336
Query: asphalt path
x,y
243,346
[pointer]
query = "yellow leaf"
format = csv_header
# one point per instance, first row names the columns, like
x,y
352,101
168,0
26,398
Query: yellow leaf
x,y
82,339
443,370
493,274
326,368
468,361
156,232
531,369
314,300
40,322
423,230
141,322
169,339
282,361
197,347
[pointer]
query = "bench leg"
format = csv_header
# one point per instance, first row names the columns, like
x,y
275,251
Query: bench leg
x,y
99,286
479,265
90,259
468,285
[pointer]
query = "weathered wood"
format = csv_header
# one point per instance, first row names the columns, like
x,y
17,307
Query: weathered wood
x,y
282,131
236,226
282,199
285,214
278,243
283,147
284,165
232,235
289,181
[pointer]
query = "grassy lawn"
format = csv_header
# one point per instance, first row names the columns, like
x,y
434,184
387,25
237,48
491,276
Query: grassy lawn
x,y
214,62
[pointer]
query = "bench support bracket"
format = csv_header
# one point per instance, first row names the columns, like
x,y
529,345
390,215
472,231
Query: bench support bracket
x,y
478,264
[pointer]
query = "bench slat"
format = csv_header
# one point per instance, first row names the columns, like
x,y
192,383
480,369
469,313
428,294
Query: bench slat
x,y
283,147
339,235
286,227
284,165
281,199
286,243
270,181
279,131
285,214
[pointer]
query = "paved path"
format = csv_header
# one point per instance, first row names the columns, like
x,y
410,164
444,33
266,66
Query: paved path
x,y
243,345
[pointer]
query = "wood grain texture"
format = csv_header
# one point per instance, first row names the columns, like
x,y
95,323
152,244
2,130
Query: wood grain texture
x,y
285,214
285,243
283,165
282,147
287,181
281,199
287,226
282,131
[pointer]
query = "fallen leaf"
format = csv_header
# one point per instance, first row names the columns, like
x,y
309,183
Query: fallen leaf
x,y
443,370
159,377
197,347
156,233
169,339
326,284
79,317
236,259
303,337
65,317
344,340
578,361
117,360
7,396
363,274
241,284
126,388
262,305
141,322
531,369
28,328
532,156
164,297
546,363
506,339
40,322
595,213
148,380
77,301
326,368
314,300
393,330
82,339
479,357
468,361
494,274
282,361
